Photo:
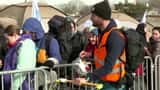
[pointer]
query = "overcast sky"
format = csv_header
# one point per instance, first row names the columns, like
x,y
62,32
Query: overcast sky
x,y
46,1
53,2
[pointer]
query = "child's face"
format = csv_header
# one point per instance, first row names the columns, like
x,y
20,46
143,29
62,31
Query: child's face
x,y
11,38
93,39
156,35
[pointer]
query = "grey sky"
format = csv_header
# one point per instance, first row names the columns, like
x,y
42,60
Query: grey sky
x,y
53,2
46,1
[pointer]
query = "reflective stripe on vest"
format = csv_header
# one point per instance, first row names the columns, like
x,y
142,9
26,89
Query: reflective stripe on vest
x,y
118,69
115,70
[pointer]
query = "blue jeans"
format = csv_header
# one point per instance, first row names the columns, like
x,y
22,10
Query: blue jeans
x,y
110,86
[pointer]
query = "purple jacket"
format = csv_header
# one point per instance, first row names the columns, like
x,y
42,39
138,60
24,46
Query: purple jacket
x,y
10,63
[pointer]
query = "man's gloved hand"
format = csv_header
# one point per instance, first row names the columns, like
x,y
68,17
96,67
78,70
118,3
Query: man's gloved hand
x,y
51,62
91,77
88,77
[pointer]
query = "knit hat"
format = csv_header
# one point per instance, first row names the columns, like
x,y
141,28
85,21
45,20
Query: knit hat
x,y
95,31
55,22
102,10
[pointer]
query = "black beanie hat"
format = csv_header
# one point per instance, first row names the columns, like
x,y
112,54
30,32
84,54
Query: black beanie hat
x,y
102,10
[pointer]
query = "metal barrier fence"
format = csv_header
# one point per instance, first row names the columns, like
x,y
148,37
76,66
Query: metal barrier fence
x,y
42,79
45,79
143,77
157,73
30,77
148,80
68,71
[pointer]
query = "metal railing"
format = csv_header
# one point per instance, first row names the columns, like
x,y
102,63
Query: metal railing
x,y
68,71
148,80
29,75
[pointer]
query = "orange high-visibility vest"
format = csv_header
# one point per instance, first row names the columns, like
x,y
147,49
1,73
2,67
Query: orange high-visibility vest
x,y
118,70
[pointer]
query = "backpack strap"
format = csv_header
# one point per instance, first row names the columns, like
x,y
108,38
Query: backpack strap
x,y
105,39
48,39
18,46
122,35
125,39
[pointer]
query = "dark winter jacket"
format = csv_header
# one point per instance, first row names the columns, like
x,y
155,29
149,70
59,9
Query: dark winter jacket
x,y
78,42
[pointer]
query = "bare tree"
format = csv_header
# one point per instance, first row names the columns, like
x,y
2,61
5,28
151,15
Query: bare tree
x,y
73,7
85,10
135,11
155,3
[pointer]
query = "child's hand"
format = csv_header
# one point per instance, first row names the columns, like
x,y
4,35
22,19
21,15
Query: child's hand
x,y
1,63
84,54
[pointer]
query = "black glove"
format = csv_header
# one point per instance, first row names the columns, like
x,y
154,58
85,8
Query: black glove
x,y
129,80
49,64
91,77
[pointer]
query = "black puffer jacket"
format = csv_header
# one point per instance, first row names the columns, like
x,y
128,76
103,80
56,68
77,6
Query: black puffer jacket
x,y
70,46
78,41
65,46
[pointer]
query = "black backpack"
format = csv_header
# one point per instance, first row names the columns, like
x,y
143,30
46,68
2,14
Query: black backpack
x,y
134,53
134,49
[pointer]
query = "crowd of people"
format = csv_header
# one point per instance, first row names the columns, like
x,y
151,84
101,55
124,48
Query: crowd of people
x,y
64,43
